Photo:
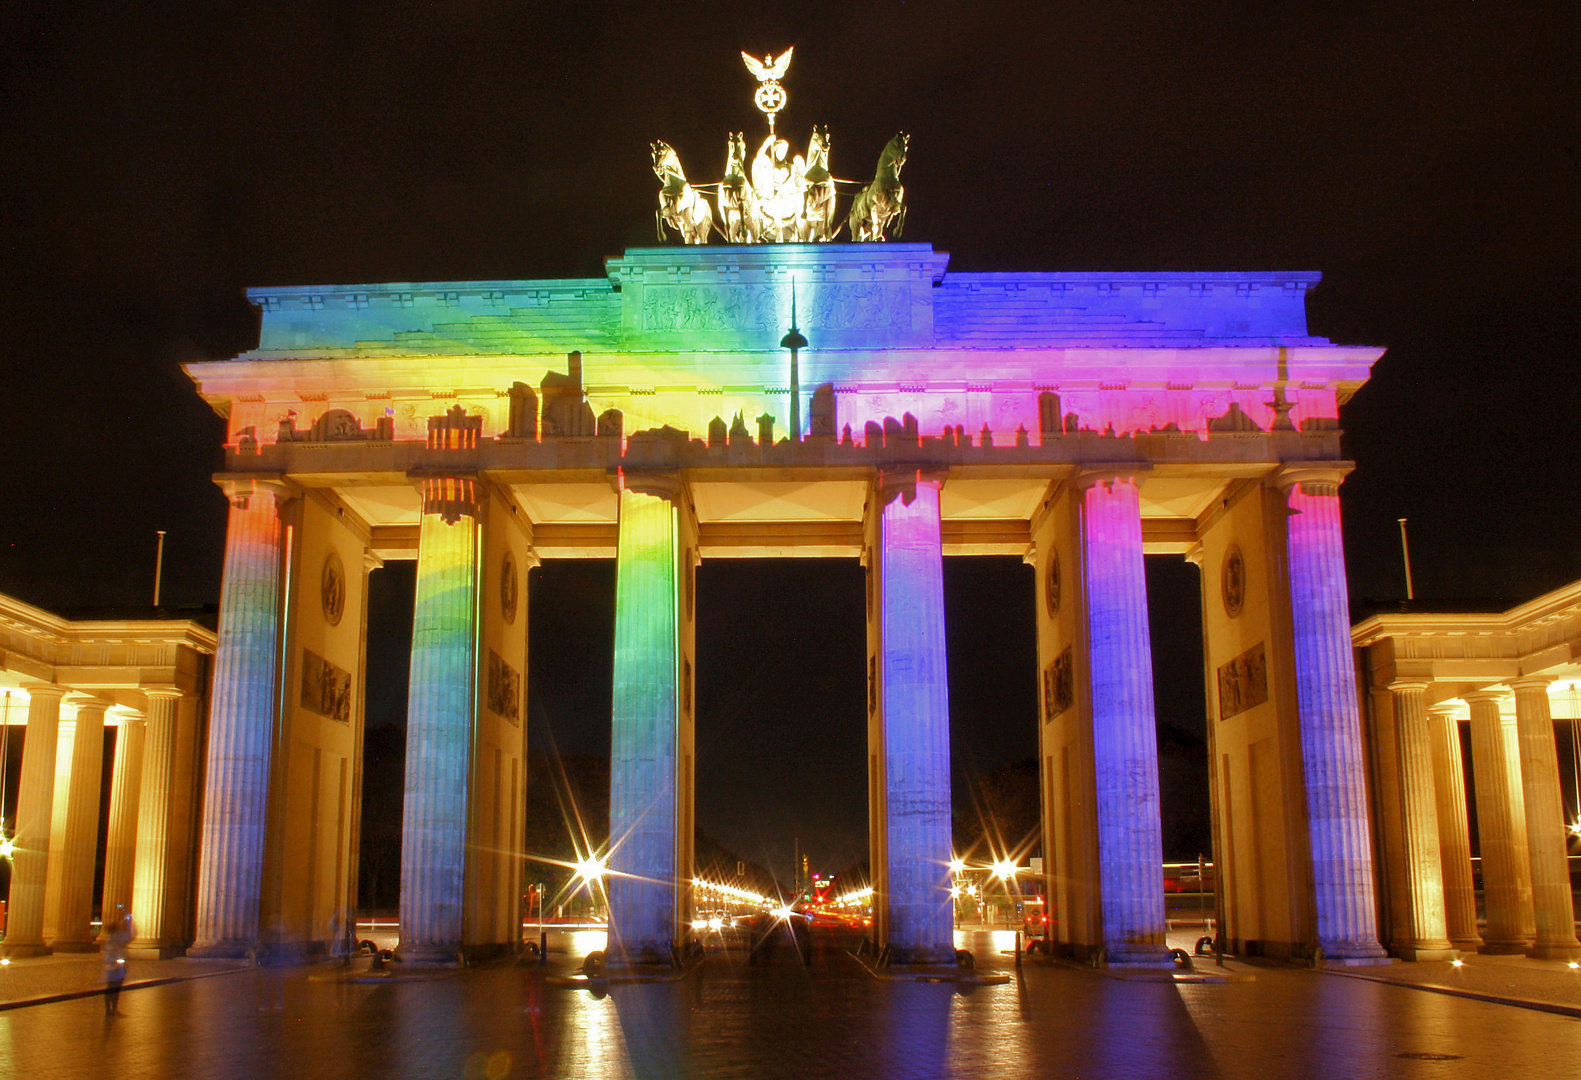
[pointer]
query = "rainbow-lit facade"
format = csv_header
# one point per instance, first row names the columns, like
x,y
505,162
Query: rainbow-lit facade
x,y
1078,420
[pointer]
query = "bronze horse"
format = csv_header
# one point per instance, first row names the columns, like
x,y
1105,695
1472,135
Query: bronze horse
x,y
817,219
738,200
884,200
680,205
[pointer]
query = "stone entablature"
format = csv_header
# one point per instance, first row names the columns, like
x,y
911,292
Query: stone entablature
x,y
680,336
1458,651
659,299
108,658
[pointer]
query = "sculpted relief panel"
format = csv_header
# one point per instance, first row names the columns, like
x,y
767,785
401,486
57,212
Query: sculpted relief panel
x,y
855,306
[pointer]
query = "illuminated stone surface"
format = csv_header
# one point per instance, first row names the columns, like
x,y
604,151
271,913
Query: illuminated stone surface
x,y
1454,834
241,731
1428,937
439,739
1340,837
914,683
1125,742
70,907
120,846
644,738
1552,903
34,810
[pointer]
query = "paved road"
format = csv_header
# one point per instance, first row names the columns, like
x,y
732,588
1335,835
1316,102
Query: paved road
x,y
782,1020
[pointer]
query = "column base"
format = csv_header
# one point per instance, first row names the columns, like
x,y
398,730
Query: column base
x,y
1426,954
21,950
1465,947
74,946
921,955
1155,957
1555,952
155,952
1504,948
224,950
1368,952
430,955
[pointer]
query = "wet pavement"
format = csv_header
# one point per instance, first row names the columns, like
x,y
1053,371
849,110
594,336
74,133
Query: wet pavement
x,y
783,1020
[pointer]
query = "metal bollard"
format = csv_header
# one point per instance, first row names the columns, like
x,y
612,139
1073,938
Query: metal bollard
x,y
543,948
1018,948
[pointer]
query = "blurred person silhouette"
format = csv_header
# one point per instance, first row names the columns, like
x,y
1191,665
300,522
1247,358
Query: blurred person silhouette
x,y
114,958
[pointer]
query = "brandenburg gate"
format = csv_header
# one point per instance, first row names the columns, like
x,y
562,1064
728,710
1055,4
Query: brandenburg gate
x,y
785,400
785,395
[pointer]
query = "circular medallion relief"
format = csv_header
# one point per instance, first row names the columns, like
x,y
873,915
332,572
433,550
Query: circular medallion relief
x,y
1232,581
1052,585
332,588
508,587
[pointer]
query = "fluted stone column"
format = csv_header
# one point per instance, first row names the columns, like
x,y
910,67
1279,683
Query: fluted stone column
x,y
1454,833
1428,938
916,704
1331,751
1124,734
241,731
644,725
71,907
439,718
1552,904
153,886
1506,872
120,846
35,807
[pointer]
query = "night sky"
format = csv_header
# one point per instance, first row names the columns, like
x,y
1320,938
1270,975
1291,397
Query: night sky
x,y
157,159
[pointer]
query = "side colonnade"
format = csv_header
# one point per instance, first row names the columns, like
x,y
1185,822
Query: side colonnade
x,y
141,683
1441,683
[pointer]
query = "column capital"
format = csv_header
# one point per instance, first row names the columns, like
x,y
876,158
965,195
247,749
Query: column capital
x,y
1486,695
903,481
239,488
1401,685
91,704
162,692
1314,478
1531,682
1444,708
659,483
450,493
1092,475
46,690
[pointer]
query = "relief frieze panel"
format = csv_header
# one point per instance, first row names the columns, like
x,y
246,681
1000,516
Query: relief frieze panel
x,y
1243,682
851,306
326,689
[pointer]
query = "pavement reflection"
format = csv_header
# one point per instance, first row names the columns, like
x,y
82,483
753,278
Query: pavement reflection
x,y
781,1019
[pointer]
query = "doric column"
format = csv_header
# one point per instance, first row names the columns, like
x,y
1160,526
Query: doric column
x,y
644,723
439,718
1506,875
1331,752
154,887
72,905
35,807
914,678
1545,823
1124,734
1424,878
120,846
241,730
1454,834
